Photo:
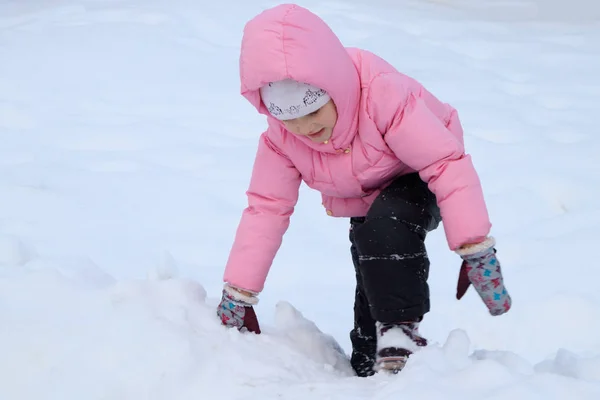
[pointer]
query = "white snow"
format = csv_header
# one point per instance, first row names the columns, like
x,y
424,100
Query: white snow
x,y
125,151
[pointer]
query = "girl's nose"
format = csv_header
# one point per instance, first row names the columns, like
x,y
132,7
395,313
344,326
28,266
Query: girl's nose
x,y
303,129
309,129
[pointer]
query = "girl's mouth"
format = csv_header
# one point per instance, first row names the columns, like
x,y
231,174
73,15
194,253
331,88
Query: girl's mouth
x,y
313,135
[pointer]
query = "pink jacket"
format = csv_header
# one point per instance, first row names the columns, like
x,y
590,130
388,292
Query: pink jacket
x,y
388,125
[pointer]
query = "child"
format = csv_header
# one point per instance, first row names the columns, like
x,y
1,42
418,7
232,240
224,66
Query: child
x,y
385,153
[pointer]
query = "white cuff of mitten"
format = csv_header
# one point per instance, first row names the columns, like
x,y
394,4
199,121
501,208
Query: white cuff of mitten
x,y
488,243
239,296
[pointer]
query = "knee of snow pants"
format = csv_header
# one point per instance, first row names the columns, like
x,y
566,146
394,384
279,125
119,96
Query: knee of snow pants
x,y
392,261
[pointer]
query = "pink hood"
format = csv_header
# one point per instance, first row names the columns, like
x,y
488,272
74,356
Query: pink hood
x,y
287,36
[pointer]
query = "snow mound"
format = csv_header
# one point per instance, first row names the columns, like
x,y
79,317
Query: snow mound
x,y
89,336
86,336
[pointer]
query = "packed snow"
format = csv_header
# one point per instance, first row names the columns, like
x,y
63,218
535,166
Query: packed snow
x,y
125,153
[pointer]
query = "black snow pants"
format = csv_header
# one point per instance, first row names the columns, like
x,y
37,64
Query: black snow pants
x,y
391,263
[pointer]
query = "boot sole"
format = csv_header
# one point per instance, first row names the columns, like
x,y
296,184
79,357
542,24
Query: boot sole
x,y
391,364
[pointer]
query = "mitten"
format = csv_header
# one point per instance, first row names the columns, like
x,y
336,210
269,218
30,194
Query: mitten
x,y
235,310
481,268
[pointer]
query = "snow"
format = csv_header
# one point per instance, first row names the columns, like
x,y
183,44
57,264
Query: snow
x,y
125,153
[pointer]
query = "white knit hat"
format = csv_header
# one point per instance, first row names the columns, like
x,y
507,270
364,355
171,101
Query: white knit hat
x,y
289,99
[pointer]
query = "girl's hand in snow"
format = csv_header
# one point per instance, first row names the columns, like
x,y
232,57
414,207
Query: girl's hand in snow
x,y
235,310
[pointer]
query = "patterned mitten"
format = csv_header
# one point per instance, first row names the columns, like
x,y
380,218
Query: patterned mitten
x,y
235,310
481,268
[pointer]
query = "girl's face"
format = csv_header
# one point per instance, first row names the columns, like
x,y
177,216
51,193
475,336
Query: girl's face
x,y
317,126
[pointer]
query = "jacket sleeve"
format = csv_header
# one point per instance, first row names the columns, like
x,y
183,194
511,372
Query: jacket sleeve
x,y
272,196
426,135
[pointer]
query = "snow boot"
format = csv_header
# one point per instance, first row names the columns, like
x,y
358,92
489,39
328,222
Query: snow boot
x,y
395,343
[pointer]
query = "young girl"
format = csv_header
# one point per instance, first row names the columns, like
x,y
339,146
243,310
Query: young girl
x,y
385,153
